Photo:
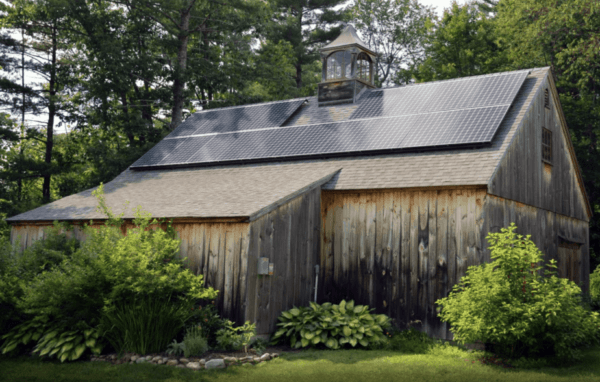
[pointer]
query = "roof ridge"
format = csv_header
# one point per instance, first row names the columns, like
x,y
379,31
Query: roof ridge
x,y
456,79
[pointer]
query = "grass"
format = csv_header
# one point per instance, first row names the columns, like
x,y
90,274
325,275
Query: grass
x,y
438,363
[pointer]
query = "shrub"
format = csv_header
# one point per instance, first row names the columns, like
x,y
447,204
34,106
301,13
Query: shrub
x,y
176,348
194,343
517,305
410,340
235,338
332,325
206,317
107,278
595,286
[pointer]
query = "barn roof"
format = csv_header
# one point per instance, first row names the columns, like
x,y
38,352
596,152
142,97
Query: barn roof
x,y
246,189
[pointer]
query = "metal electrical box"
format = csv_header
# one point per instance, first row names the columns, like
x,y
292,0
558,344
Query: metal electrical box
x,y
263,266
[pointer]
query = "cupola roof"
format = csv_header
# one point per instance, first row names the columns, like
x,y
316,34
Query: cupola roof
x,y
347,39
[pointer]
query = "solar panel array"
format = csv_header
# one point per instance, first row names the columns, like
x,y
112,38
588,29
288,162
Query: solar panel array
x,y
446,113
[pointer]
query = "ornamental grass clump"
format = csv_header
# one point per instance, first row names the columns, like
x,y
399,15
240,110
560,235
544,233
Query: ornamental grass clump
x,y
517,304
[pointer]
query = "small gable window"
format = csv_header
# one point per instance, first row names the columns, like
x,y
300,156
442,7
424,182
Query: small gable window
x,y
363,67
546,145
339,65
546,99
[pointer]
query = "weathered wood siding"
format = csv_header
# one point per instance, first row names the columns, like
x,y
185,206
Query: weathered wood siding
x,y
289,237
523,176
399,250
548,231
219,251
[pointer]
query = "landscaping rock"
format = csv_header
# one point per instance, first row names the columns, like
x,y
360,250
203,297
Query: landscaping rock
x,y
156,359
246,359
184,360
134,358
141,360
165,359
230,359
202,362
215,364
172,362
193,366
265,357
160,362
274,355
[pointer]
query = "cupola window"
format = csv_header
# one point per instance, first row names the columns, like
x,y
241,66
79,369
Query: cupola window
x,y
339,65
363,67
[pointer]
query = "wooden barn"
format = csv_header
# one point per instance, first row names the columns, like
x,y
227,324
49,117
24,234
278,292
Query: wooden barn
x,y
383,196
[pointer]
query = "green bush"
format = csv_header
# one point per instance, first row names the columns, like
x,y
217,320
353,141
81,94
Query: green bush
x,y
517,305
235,338
19,268
206,316
194,343
332,325
595,286
410,340
110,275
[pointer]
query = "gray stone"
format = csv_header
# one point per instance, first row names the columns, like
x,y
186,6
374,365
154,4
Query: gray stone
x,y
160,362
141,360
265,357
172,362
184,360
256,359
165,359
215,364
193,365
157,358
202,361
230,359
134,358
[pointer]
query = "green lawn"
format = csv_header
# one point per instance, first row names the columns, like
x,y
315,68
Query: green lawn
x,y
441,363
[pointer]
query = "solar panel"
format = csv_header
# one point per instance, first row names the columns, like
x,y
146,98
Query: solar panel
x,y
446,113
237,118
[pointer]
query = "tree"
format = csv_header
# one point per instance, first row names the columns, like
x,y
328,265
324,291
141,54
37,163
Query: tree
x,y
566,36
395,29
306,25
462,43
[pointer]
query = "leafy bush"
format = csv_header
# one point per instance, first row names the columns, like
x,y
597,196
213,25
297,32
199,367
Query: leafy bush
x,y
206,317
595,286
67,344
331,325
517,305
18,269
143,326
101,282
194,343
235,338
410,340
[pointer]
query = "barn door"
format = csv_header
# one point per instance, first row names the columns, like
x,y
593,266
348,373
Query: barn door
x,y
569,261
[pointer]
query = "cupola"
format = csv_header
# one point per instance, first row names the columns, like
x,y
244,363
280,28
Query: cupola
x,y
348,67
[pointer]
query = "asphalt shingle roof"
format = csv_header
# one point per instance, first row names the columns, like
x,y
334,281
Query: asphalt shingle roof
x,y
243,190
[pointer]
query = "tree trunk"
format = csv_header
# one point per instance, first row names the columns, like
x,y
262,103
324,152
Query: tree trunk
x,y
50,126
179,82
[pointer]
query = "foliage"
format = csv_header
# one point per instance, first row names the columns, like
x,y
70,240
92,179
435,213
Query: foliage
x,y
259,345
462,43
235,337
176,348
68,345
395,29
145,325
333,325
408,341
207,318
194,343
518,305
595,284
24,334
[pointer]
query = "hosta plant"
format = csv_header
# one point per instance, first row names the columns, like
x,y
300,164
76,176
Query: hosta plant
x,y
68,345
333,325
24,334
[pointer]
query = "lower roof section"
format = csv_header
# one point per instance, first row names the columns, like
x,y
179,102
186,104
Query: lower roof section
x,y
201,193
